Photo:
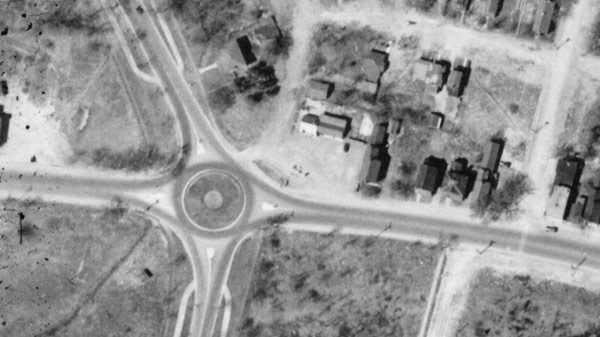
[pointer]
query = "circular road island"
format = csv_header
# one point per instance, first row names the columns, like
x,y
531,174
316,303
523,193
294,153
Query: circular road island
x,y
214,200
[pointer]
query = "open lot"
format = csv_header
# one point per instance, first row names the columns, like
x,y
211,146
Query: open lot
x,y
83,271
516,305
338,285
72,93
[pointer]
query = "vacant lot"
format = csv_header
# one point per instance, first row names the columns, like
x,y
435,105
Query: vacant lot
x,y
337,285
87,272
516,305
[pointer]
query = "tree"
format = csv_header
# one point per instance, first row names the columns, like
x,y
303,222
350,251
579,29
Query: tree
x,y
505,200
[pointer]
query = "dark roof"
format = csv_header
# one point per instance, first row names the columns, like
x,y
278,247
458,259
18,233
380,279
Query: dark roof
x,y
374,171
568,172
375,164
492,154
243,53
495,7
543,18
332,125
268,28
431,174
311,119
4,87
463,182
455,82
4,125
318,89
595,214
379,134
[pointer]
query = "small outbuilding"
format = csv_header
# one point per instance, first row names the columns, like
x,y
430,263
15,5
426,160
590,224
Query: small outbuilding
x,y
4,125
421,69
320,90
435,120
4,87
309,124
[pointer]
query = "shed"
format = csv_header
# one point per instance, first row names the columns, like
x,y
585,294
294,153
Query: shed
x,y
4,125
395,127
420,70
543,18
318,89
308,124
595,212
241,51
435,120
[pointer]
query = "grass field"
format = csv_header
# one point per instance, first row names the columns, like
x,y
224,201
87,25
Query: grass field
x,y
87,272
223,211
336,285
516,305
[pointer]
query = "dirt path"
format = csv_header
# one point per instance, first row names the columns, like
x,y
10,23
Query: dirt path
x,y
540,161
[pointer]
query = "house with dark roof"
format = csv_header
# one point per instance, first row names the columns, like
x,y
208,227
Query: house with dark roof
x,y
494,8
542,23
4,125
375,165
568,172
460,180
4,87
458,78
268,29
320,90
492,153
430,177
241,51
333,126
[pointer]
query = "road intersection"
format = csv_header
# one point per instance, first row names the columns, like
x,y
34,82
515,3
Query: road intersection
x,y
211,252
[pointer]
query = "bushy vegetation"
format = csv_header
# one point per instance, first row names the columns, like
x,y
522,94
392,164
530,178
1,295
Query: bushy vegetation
x,y
516,305
143,158
595,38
423,5
335,285
211,21
504,202
259,80
222,98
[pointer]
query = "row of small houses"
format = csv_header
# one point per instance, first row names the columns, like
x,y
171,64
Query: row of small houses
x,y
568,199
543,22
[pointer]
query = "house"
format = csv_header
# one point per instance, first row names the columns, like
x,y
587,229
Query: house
x,y
421,69
333,126
381,59
494,8
568,172
241,51
4,87
4,125
543,18
457,80
558,204
375,65
436,77
492,153
430,176
320,90
375,165
379,134
268,29
482,189
308,124
460,180
594,215
435,120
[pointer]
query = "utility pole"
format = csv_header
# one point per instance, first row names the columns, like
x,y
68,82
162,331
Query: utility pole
x,y
575,268
487,247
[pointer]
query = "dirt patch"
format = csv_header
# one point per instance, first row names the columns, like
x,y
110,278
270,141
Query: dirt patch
x,y
87,271
503,305
339,285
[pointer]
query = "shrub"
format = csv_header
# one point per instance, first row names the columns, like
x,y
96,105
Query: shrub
x,y
505,200
423,5
370,191
405,189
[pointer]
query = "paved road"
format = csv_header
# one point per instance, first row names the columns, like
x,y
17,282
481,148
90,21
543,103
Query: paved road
x,y
210,252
